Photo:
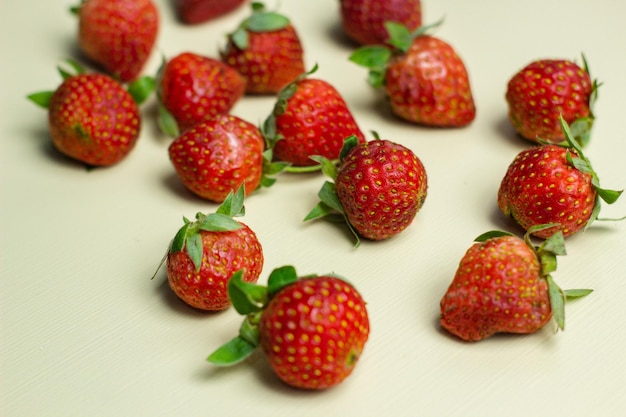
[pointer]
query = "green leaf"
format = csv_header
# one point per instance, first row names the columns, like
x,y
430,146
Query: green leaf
x,y
42,99
577,293
167,123
193,245
232,352
240,38
142,88
267,21
548,262
609,196
328,167
74,69
275,167
491,234
348,143
233,204
555,244
217,222
280,278
372,57
246,297
399,35
581,130
319,211
328,195
557,302
178,243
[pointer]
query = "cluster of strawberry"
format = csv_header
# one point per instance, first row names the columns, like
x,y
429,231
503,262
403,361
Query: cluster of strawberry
x,y
313,329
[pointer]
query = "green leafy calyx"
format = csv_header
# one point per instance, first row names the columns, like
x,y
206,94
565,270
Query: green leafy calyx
x,y
250,300
261,20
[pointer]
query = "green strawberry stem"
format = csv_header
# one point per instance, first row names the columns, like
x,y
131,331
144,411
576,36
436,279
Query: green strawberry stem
x,y
376,57
42,98
261,20
329,206
582,163
188,237
250,300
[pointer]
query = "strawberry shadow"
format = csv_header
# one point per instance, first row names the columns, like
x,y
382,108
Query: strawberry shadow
x,y
505,130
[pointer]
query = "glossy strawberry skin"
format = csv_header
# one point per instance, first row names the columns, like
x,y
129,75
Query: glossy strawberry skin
x,y
224,253
363,20
93,119
218,156
542,187
314,331
381,186
119,34
200,11
195,88
542,91
496,289
271,60
429,85
316,121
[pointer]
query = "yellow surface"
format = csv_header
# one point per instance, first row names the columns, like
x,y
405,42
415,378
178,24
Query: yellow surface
x,y
85,332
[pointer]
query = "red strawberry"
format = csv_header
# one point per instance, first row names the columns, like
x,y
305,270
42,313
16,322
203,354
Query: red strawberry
x,y
219,155
503,285
206,252
200,11
363,20
194,88
118,34
310,118
91,117
379,186
266,50
546,89
312,330
423,78
553,184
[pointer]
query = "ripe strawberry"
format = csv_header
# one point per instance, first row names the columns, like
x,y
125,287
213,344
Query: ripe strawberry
x,y
553,184
199,11
118,34
546,89
219,155
206,252
310,117
312,330
423,78
91,117
503,285
266,50
379,186
194,88
363,20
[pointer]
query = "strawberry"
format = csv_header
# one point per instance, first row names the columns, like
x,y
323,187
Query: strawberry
x,y
363,20
118,34
266,50
206,252
310,117
219,155
193,12
546,89
193,88
379,186
312,329
553,184
423,78
91,117
503,285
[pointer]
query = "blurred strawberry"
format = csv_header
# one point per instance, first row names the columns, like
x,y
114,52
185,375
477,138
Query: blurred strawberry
x,y
193,88
200,11
363,20
266,50
118,34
